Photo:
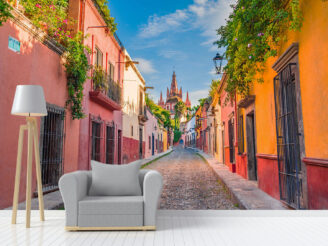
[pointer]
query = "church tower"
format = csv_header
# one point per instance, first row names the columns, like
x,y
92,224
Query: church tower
x,y
173,95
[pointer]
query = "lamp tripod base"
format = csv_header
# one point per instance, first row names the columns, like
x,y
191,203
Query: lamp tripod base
x,y
31,128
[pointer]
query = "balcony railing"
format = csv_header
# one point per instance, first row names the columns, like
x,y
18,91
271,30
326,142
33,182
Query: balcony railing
x,y
105,90
142,115
114,91
103,84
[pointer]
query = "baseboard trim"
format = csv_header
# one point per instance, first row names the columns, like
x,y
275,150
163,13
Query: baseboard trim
x,y
316,162
267,156
115,228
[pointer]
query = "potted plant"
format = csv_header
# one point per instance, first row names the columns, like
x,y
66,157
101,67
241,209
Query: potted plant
x,y
99,79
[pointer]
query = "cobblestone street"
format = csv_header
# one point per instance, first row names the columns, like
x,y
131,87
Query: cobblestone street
x,y
189,183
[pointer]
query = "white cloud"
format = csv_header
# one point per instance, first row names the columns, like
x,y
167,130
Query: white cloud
x,y
205,15
199,10
200,1
145,66
159,24
176,54
138,44
194,96
216,12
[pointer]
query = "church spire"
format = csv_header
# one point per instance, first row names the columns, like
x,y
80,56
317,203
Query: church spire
x,y
174,85
188,104
161,102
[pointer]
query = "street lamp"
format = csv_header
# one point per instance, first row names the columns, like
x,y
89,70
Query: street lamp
x,y
218,62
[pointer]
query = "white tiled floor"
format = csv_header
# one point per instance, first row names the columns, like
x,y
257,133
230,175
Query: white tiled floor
x,y
180,228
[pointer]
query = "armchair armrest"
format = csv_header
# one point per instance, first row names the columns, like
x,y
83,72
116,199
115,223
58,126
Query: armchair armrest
x,y
73,187
152,187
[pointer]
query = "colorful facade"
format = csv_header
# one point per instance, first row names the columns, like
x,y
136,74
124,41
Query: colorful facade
x,y
165,140
152,131
101,129
216,129
228,119
37,62
277,135
300,73
190,133
66,145
134,116
202,128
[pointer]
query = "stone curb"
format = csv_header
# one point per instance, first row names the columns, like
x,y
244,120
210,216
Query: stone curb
x,y
244,192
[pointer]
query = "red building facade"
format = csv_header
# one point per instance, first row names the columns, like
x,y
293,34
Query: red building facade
x,y
228,118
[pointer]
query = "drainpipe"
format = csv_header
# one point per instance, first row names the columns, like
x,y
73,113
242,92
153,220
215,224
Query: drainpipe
x,y
236,131
80,27
92,44
106,60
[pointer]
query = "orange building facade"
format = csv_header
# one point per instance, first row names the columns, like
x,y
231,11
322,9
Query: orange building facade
x,y
282,125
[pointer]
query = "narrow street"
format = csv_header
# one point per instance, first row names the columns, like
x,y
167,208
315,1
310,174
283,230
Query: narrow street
x,y
189,183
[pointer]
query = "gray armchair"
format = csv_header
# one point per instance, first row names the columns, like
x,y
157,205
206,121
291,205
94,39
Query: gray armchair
x,y
84,212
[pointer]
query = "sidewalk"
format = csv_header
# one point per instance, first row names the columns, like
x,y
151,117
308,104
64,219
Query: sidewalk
x,y
153,158
53,200
243,191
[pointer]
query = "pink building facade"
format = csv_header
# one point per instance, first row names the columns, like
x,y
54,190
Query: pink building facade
x,y
66,145
152,135
101,129
39,63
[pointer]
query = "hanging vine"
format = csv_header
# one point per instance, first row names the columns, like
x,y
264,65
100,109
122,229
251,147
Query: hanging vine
x,y
4,11
77,67
251,35
51,16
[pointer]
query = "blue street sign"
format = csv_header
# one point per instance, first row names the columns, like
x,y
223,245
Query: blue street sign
x,y
14,44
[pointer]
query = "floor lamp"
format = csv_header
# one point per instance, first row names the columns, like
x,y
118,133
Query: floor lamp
x,y
29,102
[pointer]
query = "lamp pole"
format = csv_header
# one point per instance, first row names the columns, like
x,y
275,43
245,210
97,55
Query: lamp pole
x,y
29,101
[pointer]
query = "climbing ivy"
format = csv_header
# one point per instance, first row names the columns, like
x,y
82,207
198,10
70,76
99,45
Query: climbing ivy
x,y
51,16
162,114
251,35
4,11
77,67
110,21
213,88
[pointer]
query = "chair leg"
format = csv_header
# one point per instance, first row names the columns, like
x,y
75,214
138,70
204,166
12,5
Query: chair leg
x,y
18,172
38,170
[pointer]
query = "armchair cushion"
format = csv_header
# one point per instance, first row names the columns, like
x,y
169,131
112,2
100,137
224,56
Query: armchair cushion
x,y
115,180
103,205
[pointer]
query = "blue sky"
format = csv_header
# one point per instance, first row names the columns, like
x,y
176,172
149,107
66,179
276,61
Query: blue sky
x,y
179,34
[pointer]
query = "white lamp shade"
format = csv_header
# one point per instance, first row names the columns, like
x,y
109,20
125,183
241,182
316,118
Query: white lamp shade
x,y
29,101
